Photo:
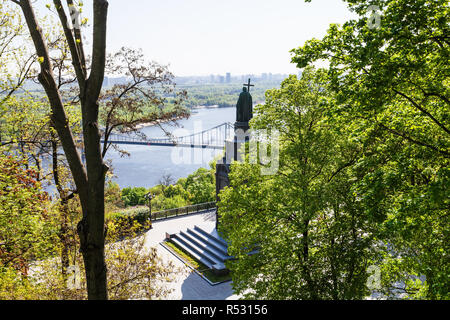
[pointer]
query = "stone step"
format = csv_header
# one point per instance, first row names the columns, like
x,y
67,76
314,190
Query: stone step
x,y
202,248
206,245
197,251
185,247
214,244
215,238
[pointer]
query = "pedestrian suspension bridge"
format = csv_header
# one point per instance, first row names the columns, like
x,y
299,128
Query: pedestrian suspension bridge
x,y
213,138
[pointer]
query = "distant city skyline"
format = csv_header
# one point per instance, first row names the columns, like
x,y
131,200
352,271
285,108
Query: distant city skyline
x,y
212,78
230,78
203,37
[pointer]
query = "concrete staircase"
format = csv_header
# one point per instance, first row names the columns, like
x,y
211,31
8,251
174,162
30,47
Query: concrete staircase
x,y
207,247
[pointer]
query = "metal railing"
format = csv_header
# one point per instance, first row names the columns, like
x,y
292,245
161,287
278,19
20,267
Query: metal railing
x,y
192,209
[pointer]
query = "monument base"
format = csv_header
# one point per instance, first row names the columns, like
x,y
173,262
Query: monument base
x,y
242,125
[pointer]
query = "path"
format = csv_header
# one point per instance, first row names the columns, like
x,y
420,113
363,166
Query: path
x,y
188,285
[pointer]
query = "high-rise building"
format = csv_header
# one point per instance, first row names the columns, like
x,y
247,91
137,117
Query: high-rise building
x,y
228,77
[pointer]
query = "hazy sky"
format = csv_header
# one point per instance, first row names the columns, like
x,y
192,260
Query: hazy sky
x,y
201,37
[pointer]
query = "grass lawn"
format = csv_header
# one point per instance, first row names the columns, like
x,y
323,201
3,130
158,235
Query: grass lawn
x,y
197,265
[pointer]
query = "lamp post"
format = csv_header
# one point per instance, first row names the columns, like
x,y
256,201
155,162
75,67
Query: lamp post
x,y
149,197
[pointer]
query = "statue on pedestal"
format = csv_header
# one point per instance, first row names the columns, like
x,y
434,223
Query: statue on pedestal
x,y
244,113
244,107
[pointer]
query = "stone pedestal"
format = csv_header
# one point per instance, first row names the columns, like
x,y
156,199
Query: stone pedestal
x,y
241,125
222,181
233,152
233,147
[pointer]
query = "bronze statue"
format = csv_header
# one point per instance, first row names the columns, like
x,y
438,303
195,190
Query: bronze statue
x,y
244,107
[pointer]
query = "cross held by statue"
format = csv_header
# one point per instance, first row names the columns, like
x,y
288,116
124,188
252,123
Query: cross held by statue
x,y
248,85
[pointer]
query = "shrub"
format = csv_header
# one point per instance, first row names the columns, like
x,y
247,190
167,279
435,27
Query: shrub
x,y
134,196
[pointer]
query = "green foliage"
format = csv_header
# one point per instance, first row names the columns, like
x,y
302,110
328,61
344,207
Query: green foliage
x,y
198,187
158,189
201,185
222,95
134,196
175,190
138,214
132,271
113,197
43,285
12,51
162,203
26,228
134,268
23,118
314,239
392,83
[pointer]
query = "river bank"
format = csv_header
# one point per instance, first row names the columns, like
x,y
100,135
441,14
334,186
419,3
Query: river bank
x,y
193,110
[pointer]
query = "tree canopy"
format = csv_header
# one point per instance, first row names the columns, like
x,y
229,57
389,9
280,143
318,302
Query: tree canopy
x,y
364,165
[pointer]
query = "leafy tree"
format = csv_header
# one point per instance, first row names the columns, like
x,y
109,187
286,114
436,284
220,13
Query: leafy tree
x,y
142,99
26,228
201,185
391,81
89,179
156,190
175,190
399,68
14,286
27,126
164,203
113,196
120,111
312,236
13,52
134,196
133,270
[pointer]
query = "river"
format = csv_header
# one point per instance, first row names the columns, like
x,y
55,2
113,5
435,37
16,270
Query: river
x,y
147,164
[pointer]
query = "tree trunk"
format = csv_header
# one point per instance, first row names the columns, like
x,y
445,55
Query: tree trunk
x,y
65,259
64,209
89,180
91,229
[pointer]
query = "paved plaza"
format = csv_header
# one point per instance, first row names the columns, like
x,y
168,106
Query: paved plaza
x,y
188,285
